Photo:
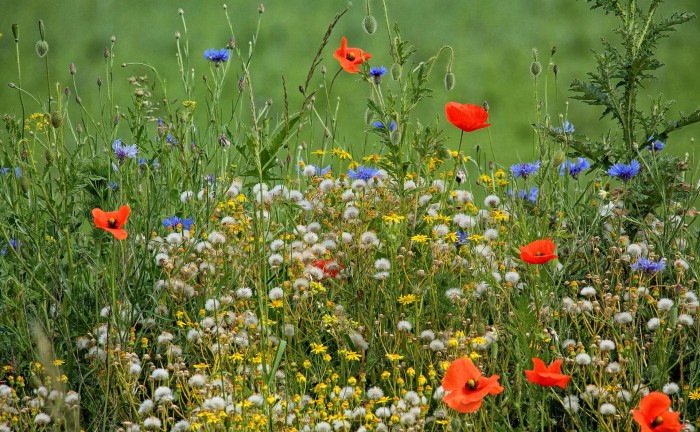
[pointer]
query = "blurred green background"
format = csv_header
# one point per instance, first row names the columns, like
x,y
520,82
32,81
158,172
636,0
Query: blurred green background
x,y
492,43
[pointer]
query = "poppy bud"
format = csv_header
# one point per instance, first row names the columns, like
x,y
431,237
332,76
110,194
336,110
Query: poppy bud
x,y
180,12
553,51
66,91
485,105
78,100
449,81
396,71
261,8
12,85
555,68
99,81
71,68
106,52
559,158
369,24
56,119
49,156
42,48
535,68
15,32
177,35
323,69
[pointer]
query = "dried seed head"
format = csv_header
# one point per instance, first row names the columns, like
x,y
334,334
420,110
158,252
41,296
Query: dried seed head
x,y
535,68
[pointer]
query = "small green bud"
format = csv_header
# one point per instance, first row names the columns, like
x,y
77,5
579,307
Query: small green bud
x,y
261,8
559,158
49,156
555,68
449,81
15,32
369,24
535,68
71,68
42,48
56,119
41,29
396,71
553,51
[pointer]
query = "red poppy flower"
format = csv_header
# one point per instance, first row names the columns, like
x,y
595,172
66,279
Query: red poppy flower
x,y
538,252
466,387
330,268
112,221
547,376
349,58
467,117
653,414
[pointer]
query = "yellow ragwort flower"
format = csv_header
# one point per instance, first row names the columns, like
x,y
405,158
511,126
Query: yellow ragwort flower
x,y
394,357
419,238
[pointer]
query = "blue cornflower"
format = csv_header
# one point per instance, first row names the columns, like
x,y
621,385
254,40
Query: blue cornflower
x,y
462,238
624,172
320,172
649,266
376,73
524,170
171,140
113,185
122,152
380,125
14,244
362,173
18,172
568,128
530,196
574,168
216,56
656,145
172,222
187,224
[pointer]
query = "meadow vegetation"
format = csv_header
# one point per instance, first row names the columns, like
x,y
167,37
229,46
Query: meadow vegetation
x,y
205,259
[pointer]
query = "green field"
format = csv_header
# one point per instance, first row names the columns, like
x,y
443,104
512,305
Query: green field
x,y
492,45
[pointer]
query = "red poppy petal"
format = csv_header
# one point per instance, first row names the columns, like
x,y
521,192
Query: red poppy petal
x,y
655,404
123,214
100,217
119,233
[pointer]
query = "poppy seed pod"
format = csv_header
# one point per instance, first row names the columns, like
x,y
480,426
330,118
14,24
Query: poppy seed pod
x,y
369,24
449,81
42,48
535,68
396,71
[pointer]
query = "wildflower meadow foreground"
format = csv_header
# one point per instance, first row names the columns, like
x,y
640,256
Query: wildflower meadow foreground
x,y
201,260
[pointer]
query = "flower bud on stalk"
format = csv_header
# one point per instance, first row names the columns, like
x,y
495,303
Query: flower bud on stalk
x,y
15,32
449,80
369,23
42,48
56,119
396,71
